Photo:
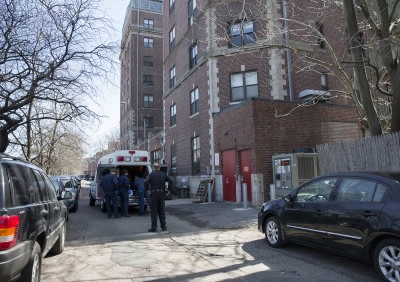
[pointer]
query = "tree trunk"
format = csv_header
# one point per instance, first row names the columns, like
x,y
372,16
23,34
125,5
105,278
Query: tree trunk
x,y
374,125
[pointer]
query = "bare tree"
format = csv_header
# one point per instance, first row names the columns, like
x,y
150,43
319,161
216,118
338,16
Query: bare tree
x,y
50,52
360,51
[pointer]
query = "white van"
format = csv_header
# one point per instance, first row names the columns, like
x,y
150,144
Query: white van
x,y
137,162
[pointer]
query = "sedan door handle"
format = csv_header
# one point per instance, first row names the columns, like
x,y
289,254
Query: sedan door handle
x,y
319,212
368,214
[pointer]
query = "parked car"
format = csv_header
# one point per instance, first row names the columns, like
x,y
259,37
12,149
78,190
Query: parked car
x,y
59,185
70,183
32,219
356,214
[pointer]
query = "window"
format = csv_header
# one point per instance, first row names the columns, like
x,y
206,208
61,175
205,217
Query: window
x,y
194,101
148,61
195,155
172,111
147,101
191,8
148,42
244,86
23,184
193,55
172,78
148,24
172,39
148,80
321,42
317,191
173,159
324,82
360,190
241,33
171,5
148,122
156,156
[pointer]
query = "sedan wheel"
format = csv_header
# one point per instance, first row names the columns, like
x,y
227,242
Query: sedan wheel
x,y
387,259
273,232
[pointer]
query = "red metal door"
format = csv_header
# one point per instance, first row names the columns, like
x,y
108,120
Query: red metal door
x,y
245,170
228,175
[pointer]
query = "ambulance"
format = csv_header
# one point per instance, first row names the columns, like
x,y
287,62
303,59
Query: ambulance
x,y
137,162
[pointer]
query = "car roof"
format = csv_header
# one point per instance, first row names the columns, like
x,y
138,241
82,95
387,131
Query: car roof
x,y
394,175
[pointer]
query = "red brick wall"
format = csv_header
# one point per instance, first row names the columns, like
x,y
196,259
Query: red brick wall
x,y
254,125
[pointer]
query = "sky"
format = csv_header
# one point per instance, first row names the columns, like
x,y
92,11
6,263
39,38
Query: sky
x,y
108,100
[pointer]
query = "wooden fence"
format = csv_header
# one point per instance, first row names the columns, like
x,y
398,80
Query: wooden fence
x,y
365,154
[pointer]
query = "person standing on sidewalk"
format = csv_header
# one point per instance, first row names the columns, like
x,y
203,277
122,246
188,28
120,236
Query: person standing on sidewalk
x,y
110,187
143,194
155,183
123,192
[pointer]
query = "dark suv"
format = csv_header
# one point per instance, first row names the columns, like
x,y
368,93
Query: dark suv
x,y
32,219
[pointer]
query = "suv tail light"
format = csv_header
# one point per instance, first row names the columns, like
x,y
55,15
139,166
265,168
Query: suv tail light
x,y
8,231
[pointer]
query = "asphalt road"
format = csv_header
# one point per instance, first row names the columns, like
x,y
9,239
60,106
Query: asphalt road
x,y
204,242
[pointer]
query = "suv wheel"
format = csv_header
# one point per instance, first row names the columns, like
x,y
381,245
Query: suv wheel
x,y
273,233
386,259
91,200
33,269
58,247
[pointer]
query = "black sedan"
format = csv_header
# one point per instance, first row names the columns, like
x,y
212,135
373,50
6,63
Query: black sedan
x,y
356,214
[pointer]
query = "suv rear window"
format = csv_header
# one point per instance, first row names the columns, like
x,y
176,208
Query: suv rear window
x,y
23,185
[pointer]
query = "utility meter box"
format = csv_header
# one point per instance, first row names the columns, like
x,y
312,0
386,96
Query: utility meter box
x,y
291,170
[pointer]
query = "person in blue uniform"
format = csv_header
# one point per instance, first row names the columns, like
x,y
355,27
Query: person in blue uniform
x,y
155,184
142,193
123,192
110,187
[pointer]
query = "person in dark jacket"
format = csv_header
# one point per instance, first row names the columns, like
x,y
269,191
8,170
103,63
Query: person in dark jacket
x,y
155,183
110,187
123,192
143,194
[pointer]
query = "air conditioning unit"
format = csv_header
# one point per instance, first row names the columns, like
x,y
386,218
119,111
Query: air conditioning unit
x,y
314,96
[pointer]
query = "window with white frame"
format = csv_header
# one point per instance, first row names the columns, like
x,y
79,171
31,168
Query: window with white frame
x,y
195,146
191,9
148,42
148,80
193,55
148,61
148,101
172,77
172,39
148,122
241,33
172,111
324,82
194,101
320,39
244,86
171,5
148,24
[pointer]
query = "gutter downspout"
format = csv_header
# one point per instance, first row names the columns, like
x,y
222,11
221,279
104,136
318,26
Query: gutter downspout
x,y
137,73
288,51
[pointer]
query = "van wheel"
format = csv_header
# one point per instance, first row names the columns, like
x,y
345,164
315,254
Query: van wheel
x,y
58,247
103,206
33,269
91,200
386,259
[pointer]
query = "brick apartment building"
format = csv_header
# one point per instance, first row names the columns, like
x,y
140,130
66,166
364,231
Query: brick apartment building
x,y
141,73
233,98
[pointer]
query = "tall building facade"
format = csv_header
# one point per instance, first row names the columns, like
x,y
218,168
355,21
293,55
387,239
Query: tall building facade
x,y
141,60
234,97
